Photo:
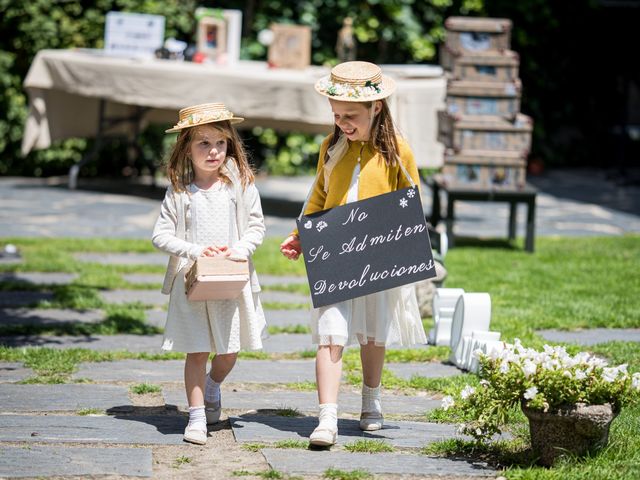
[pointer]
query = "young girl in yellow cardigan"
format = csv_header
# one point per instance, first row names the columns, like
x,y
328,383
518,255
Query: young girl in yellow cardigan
x,y
364,157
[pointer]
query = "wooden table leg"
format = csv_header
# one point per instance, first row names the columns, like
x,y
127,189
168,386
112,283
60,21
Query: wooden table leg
x,y
435,204
513,211
531,225
450,217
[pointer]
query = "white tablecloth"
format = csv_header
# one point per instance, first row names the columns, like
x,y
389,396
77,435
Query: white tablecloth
x,y
65,87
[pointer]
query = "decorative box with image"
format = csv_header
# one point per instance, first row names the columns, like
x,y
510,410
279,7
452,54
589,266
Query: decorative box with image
x,y
466,97
485,66
462,133
485,169
468,34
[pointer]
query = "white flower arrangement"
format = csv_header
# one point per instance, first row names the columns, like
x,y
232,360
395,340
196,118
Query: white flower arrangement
x,y
543,380
347,90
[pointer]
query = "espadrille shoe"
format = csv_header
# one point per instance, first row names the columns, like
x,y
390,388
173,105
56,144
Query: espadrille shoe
x,y
195,435
323,436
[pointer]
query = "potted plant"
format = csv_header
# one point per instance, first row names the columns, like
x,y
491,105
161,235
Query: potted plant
x,y
570,401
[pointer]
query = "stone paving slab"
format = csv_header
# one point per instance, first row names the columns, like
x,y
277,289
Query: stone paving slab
x,y
14,372
592,336
270,429
47,461
147,297
306,402
9,260
245,371
426,369
65,397
123,258
285,318
47,278
48,316
155,297
23,299
281,280
156,278
316,462
121,429
284,297
156,317
282,343
288,343
132,343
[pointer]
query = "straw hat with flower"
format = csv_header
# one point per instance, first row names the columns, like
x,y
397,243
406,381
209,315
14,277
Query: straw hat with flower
x,y
203,114
356,82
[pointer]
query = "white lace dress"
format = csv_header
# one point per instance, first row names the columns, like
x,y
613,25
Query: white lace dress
x,y
219,326
388,317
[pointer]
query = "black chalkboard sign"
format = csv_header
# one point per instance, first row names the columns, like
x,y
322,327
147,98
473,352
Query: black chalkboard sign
x,y
366,246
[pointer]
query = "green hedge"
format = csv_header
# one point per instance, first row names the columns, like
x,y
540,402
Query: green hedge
x,y
388,31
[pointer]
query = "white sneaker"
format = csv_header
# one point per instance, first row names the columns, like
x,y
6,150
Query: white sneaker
x,y
195,435
323,436
371,421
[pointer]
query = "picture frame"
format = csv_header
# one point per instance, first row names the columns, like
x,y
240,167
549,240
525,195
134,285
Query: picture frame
x,y
233,28
212,38
291,46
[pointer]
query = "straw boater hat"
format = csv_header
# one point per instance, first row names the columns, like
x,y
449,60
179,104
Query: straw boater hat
x,y
356,82
203,114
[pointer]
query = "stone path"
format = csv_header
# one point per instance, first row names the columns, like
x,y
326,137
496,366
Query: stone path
x,y
317,462
270,429
38,461
99,427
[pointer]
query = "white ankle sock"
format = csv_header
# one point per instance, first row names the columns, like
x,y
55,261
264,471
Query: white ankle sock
x,y
212,391
371,399
328,416
197,417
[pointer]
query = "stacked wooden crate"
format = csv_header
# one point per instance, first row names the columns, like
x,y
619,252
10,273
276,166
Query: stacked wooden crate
x,y
486,137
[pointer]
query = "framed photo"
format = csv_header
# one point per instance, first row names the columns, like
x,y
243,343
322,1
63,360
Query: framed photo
x,y
291,46
233,32
212,38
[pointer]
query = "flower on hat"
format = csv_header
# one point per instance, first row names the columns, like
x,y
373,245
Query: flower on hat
x,y
346,90
196,118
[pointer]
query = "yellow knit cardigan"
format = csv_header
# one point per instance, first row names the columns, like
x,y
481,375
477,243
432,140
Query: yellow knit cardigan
x,y
375,179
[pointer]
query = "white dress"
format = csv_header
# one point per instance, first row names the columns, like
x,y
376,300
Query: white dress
x,y
218,326
388,317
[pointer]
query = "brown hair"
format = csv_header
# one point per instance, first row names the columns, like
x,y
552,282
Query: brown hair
x,y
180,170
382,135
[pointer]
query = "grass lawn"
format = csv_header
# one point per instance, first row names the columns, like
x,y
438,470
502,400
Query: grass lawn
x,y
568,283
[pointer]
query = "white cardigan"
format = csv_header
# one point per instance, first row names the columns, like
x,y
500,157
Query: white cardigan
x,y
171,234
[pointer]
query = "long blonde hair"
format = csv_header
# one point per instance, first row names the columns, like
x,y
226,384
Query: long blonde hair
x,y
382,135
180,170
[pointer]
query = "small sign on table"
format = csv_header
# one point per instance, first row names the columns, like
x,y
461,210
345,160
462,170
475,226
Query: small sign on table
x,y
133,34
366,247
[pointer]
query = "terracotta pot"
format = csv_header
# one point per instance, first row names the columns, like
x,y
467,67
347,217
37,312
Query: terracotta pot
x,y
573,429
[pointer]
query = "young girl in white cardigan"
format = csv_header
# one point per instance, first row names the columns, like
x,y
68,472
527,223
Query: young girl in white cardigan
x,y
212,208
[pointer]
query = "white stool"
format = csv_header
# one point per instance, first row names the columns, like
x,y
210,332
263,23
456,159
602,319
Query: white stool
x,y
473,312
479,339
443,306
